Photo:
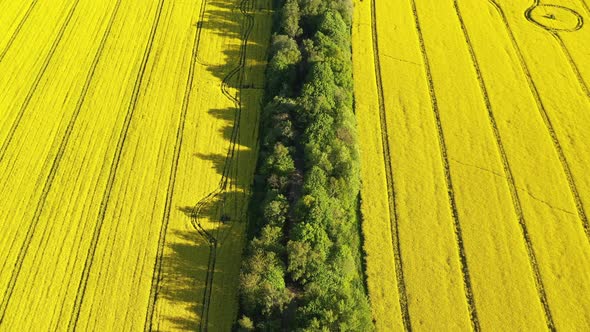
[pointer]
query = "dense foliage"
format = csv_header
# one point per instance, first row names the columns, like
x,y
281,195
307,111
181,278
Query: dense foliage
x,y
302,268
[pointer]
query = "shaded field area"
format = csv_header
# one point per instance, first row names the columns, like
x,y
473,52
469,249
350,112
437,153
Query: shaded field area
x,y
473,118
128,143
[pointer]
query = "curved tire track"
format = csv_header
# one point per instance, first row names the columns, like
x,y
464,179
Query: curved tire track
x,y
200,24
247,26
556,34
222,186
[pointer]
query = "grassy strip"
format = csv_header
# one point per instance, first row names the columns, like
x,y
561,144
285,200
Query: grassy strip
x,y
302,269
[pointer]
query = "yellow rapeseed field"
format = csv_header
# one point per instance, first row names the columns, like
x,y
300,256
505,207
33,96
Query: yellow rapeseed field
x,y
475,145
128,135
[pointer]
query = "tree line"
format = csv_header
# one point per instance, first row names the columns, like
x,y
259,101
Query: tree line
x,y
302,268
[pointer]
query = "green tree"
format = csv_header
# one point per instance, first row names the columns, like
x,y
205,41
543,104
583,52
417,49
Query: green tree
x,y
290,19
282,67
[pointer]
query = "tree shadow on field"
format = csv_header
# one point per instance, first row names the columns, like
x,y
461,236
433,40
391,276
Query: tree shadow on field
x,y
184,273
205,285
245,20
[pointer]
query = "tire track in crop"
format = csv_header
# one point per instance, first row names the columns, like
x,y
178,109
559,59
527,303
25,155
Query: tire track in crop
x,y
555,33
572,64
393,216
447,171
113,171
157,272
18,29
33,88
32,227
73,120
247,25
546,120
508,174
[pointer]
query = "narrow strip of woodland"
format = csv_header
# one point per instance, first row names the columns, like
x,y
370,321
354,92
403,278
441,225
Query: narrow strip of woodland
x,y
302,268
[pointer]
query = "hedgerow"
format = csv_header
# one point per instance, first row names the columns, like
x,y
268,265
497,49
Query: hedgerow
x,y
302,267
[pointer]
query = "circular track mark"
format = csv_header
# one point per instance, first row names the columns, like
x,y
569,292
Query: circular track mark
x,y
555,18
